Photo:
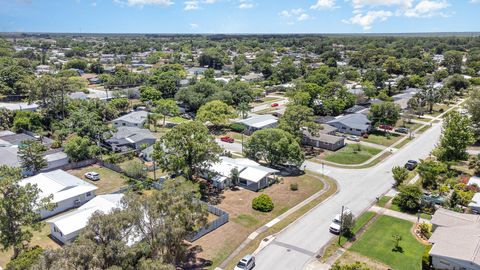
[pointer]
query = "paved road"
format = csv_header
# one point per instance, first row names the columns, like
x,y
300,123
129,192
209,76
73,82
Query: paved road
x,y
269,105
294,247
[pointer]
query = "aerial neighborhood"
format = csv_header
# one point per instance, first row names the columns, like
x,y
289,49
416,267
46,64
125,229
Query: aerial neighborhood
x,y
239,151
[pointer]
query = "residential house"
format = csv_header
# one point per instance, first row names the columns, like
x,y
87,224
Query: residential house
x,y
355,124
252,175
126,138
67,227
67,191
475,203
455,240
258,122
133,119
325,138
19,106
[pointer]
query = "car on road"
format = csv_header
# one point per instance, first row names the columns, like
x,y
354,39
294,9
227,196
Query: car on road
x,y
227,139
335,226
353,138
385,127
411,165
274,105
402,130
92,176
246,263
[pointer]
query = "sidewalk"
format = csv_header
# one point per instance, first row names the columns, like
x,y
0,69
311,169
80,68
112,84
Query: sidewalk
x,y
274,221
400,215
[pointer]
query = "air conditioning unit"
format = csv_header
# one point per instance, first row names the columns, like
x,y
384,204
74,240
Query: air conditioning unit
x,y
77,203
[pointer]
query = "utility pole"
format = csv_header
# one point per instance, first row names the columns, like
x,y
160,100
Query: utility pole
x,y
63,99
154,171
341,225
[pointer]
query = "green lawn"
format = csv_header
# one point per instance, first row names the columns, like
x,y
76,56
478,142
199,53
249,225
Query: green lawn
x,y
424,128
350,154
383,201
110,181
412,126
376,243
403,143
380,137
176,119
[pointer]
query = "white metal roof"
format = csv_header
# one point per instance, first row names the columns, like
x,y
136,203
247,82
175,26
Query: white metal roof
x,y
253,174
78,219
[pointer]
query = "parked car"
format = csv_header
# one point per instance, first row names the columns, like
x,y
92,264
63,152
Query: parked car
x,y
353,138
411,165
274,105
365,135
402,130
336,222
246,263
92,176
227,139
385,127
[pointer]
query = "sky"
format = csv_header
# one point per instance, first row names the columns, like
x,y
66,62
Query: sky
x,y
239,16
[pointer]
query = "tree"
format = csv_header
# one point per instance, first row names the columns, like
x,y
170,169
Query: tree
x,y
286,70
213,58
348,222
25,260
81,148
457,136
179,208
135,169
274,146
408,198
200,93
19,206
77,64
31,156
453,61
473,107
243,109
297,117
120,104
429,171
235,176
396,238
400,174
457,83
474,164
216,112
148,93
166,107
186,148
241,92
386,113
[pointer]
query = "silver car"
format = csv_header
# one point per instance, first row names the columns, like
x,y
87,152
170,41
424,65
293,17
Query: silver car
x,y
92,176
246,263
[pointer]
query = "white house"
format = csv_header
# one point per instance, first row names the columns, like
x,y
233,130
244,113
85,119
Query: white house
x,y
67,227
133,119
252,175
258,122
67,191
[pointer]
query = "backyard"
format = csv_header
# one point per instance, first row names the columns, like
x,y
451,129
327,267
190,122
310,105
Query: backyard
x,y
352,154
217,245
110,181
377,243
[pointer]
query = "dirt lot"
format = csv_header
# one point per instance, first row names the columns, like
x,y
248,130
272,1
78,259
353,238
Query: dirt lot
x,y
218,244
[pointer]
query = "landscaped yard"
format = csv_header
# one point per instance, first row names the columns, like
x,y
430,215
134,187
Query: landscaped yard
x,y
383,201
350,154
412,126
380,137
110,181
40,238
376,243
438,109
218,244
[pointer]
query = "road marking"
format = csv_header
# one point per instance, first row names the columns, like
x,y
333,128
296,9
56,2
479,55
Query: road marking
x,y
291,247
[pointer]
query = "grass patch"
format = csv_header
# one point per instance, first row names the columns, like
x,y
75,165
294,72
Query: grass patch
x,y
350,154
176,119
383,201
381,138
423,129
246,220
376,243
110,181
403,143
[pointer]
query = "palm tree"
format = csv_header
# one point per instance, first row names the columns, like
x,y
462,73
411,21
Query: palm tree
x,y
243,109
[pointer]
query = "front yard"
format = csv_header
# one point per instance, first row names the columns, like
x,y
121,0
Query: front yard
x,y
381,138
110,181
217,245
376,243
352,154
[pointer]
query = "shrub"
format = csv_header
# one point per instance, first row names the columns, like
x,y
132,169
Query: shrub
x,y
294,186
425,229
25,260
238,127
262,203
426,258
135,169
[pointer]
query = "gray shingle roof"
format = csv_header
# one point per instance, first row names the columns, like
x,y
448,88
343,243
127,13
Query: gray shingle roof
x,y
356,121
138,117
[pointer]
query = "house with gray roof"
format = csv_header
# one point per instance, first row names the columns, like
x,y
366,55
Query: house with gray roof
x,y
355,124
126,138
325,138
133,119
258,122
455,240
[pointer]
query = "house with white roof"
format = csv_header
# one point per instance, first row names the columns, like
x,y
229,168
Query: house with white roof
x,y
67,227
258,122
133,119
252,175
67,191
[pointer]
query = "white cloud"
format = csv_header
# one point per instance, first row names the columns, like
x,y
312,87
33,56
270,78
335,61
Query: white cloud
x,y
324,4
298,14
246,4
363,3
210,1
427,8
191,5
366,20
193,25
303,17
142,3
474,1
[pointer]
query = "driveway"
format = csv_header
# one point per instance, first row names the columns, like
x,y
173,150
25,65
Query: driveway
x,y
295,246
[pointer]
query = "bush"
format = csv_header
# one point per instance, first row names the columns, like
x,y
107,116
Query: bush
x,y
426,258
26,259
238,127
262,203
135,169
425,229
294,186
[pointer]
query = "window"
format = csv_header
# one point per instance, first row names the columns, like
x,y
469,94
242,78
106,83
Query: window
x,y
88,194
123,124
243,181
